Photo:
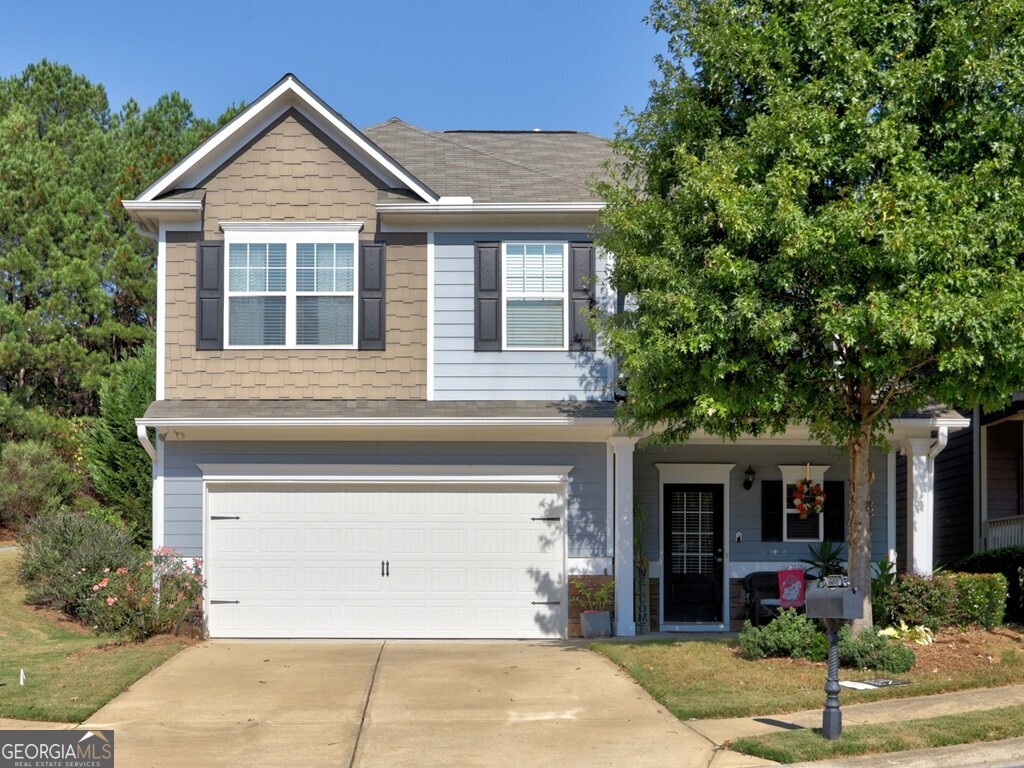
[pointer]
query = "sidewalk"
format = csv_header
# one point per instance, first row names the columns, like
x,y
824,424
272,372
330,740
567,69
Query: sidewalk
x,y
991,754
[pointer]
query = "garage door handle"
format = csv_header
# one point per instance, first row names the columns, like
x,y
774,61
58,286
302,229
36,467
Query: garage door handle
x,y
548,602
224,602
225,517
546,519
385,568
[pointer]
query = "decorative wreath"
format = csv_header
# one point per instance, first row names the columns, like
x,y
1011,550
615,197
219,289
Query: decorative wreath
x,y
808,498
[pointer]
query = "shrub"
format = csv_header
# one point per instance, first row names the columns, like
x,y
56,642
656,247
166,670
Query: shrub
x,y
789,634
881,586
980,599
34,480
61,552
1008,561
870,650
124,599
119,467
944,600
921,600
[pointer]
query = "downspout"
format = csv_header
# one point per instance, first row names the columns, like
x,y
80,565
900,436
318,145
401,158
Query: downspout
x,y
940,442
140,431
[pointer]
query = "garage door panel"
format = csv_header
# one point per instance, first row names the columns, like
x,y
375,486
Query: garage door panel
x,y
305,561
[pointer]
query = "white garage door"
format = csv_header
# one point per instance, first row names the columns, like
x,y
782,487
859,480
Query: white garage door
x,y
373,561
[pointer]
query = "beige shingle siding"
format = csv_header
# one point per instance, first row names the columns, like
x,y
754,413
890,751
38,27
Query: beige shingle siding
x,y
300,178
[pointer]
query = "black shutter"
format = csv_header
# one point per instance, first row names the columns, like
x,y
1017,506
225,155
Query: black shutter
x,y
771,510
581,295
371,295
835,511
487,299
210,294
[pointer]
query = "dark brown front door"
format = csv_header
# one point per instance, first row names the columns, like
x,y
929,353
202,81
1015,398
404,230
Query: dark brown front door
x,y
694,560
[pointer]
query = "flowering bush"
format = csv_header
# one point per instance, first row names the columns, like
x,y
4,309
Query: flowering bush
x,y
146,599
62,554
808,498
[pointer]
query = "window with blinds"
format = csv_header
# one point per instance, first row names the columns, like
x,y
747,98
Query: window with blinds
x,y
257,284
535,302
325,293
292,293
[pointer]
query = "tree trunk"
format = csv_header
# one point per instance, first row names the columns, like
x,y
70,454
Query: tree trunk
x,y
859,564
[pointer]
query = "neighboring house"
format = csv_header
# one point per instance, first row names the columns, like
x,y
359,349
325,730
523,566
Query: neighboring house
x,y
381,412
980,485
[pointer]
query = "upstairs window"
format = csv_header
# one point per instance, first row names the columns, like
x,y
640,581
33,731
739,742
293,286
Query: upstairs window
x,y
257,294
293,288
325,294
535,305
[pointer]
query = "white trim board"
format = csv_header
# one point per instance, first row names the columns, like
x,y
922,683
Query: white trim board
x,y
385,474
287,94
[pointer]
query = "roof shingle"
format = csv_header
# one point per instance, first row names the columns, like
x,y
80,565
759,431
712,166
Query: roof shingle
x,y
497,166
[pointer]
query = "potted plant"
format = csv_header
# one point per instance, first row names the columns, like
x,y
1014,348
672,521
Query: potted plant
x,y
594,601
825,559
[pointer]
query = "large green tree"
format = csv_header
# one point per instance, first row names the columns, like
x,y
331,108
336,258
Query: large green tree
x,y
819,217
78,283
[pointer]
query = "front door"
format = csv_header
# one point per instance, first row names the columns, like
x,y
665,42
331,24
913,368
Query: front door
x,y
694,559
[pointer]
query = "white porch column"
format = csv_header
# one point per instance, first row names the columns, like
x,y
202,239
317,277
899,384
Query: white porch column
x,y
622,495
921,453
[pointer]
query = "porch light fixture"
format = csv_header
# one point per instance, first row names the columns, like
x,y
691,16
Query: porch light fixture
x,y
748,478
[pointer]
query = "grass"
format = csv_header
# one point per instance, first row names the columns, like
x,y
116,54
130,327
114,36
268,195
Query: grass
x,y
707,679
964,728
69,673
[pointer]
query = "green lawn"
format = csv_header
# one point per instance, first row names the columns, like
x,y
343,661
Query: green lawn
x,y
69,674
965,728
707,679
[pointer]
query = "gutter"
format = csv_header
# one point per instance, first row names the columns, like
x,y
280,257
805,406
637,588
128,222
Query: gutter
x,y
443,208
540,421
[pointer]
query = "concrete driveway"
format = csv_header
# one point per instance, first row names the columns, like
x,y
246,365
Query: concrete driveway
x,y
396,703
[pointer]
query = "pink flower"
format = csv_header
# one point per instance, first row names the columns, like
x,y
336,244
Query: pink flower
x,y
106,570
104,582
121,571
95,587
149,563
111,600
145,599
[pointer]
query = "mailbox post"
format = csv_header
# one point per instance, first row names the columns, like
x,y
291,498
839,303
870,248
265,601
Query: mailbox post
x,y
833,601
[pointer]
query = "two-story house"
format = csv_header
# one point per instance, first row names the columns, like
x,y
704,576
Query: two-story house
x,y
381,412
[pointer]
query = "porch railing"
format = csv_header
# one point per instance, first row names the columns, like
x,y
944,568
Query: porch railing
x,y
1007,532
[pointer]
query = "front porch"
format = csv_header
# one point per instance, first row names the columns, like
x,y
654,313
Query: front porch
x,y
716,511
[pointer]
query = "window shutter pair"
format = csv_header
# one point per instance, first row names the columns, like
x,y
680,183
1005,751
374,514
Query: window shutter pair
x,y
488,296
210,274
772,510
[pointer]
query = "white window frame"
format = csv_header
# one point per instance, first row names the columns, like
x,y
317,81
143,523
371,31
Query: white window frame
x,y
791,474
505,296
290,234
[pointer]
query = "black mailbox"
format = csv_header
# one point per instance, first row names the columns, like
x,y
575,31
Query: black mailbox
x,y
841,602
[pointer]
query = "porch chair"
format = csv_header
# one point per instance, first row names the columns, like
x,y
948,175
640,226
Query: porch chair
x,y
763,601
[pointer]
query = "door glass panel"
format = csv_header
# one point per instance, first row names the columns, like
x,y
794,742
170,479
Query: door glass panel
x,y
693,533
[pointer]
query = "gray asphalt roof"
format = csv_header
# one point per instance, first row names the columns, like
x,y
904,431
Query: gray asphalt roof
x,y
354,409
497,166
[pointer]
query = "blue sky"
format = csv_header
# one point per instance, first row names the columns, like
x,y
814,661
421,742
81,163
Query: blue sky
x,y
440,64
